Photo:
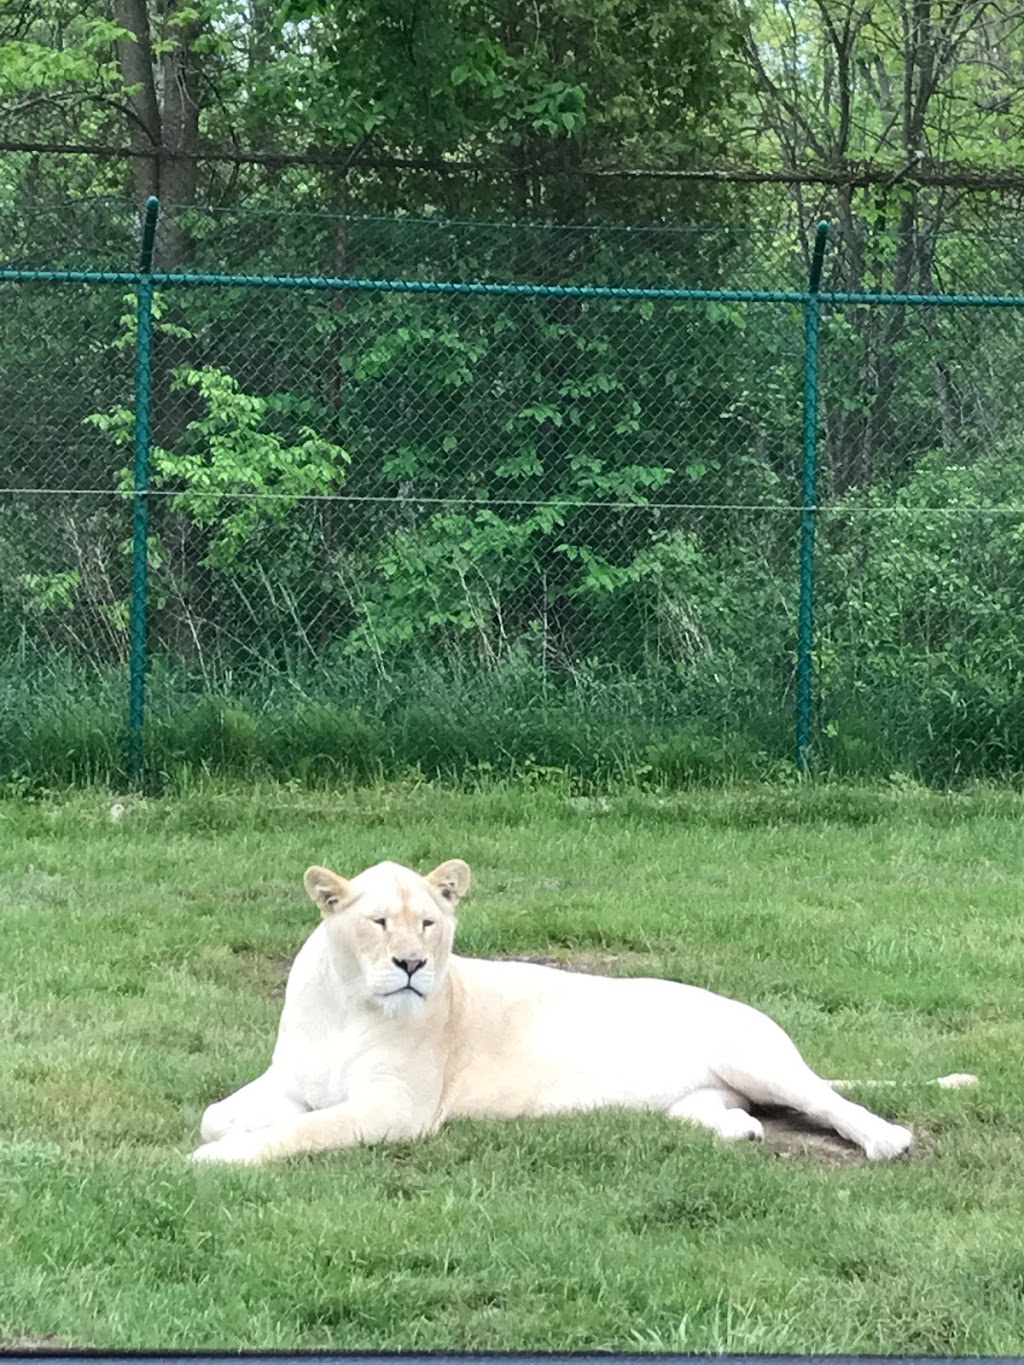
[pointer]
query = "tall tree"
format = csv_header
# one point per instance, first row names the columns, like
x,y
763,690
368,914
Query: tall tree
x,y
160,62
900,84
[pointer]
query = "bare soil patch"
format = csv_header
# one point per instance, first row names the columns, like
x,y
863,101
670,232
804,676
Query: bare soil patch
x,y
787,1134
30,1344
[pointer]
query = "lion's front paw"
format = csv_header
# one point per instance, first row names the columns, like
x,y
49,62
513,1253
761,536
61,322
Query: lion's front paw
x,y
238,1149
891,1140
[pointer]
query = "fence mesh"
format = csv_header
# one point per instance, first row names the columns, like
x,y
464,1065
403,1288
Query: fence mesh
x,y
407,527
920,652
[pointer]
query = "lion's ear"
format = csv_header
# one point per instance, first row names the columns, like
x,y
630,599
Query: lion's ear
x,y
451,879
327,889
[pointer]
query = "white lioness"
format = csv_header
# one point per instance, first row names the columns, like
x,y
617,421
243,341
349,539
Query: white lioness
x,y
386,1033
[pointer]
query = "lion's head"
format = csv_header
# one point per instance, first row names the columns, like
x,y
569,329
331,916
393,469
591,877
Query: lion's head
x,y
390,930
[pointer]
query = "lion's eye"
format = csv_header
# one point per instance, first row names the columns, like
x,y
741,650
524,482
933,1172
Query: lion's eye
x,y
382,922
428,924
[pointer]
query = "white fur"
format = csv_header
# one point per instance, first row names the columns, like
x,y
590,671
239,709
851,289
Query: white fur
x,y
360,1057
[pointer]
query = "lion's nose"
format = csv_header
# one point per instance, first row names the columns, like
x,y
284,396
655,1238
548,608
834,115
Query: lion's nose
x,y
409,964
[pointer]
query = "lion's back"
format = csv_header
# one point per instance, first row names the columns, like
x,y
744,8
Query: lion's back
x,y
533,1039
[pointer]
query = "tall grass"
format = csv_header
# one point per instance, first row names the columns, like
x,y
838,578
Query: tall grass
x,y
63,722
347,722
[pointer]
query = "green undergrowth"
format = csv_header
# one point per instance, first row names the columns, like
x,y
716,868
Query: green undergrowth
x,y
595,729
351,724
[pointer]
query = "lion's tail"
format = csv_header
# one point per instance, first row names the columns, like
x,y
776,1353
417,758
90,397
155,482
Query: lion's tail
x,y
957,1080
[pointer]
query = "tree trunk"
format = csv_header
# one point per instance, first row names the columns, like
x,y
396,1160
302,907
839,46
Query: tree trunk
x,y
179,171
164,109
135,58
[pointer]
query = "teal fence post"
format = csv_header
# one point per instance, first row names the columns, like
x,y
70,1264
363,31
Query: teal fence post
x,y
809,509
140,491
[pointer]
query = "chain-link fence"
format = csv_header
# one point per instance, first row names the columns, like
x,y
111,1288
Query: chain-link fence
x,y
459,498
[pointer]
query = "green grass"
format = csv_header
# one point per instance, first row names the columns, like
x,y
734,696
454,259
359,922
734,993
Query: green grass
x,y
142,969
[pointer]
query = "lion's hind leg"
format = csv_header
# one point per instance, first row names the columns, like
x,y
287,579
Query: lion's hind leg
x,y
720,1110
786,1079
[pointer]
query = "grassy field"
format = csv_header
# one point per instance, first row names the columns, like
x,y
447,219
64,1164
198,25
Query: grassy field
x,y
142,968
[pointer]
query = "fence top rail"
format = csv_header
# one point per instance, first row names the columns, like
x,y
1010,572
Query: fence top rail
x,y
325,283
329,284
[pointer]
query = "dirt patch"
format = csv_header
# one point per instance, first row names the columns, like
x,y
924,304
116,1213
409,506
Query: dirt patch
x,y
282,964
597,962
28,1344
787,1135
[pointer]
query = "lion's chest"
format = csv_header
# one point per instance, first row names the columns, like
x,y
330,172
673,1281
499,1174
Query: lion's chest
x,y
320,1043
318,1064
